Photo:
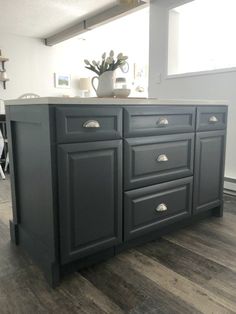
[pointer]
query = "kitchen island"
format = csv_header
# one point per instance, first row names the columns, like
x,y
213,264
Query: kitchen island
x,y
92,177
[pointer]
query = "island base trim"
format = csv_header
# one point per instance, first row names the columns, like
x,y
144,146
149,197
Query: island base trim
x,y
14,232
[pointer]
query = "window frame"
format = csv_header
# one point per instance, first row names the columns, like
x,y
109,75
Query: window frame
x,y
199,73
168,76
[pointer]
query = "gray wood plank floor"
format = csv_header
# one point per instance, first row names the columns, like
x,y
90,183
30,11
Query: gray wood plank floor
x,y
189,271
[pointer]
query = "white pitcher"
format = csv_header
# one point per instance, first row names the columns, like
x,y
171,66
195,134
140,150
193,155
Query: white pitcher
x,y
105,84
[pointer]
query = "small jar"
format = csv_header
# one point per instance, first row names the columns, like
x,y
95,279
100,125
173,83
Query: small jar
x,y
120,83
120,88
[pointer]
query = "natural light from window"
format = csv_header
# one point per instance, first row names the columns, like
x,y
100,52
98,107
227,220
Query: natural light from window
x,y
129,35
202,36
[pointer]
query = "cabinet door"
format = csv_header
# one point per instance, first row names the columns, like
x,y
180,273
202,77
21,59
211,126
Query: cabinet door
x,y
209,170
90,197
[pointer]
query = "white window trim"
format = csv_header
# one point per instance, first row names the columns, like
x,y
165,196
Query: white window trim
x,y
200,73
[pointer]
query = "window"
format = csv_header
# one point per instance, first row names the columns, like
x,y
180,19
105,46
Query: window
x,y
202,36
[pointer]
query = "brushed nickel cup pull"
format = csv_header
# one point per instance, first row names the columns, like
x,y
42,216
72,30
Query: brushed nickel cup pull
x,y
163,122
213,119
161,207
91,124
162,158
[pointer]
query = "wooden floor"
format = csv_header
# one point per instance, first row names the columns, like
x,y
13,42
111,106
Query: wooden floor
x,y
189,271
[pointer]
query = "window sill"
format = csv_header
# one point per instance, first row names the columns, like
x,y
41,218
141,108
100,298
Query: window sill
x,y
200,73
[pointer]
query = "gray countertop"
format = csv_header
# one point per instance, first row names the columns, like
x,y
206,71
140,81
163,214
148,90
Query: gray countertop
x,y
112,101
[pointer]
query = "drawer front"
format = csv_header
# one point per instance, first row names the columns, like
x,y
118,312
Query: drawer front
x,y
157,120
81,124
211,118
153,160
150,208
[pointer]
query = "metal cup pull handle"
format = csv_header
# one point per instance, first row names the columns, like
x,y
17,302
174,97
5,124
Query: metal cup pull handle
x,y
163,122
161,207
162,158
213,119
91,124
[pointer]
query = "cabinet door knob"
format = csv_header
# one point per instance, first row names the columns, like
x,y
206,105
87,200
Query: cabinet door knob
x,y
163,122
161,207
162,158
91,124
213,119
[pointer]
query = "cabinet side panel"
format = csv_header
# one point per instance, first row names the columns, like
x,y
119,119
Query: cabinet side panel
x,y
31,180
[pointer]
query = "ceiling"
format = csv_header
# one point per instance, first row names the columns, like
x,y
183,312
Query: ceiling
x,y
43,18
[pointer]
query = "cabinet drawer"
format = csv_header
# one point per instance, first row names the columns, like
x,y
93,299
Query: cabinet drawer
x,y
87,124
153,160
211,118
150,208
156,120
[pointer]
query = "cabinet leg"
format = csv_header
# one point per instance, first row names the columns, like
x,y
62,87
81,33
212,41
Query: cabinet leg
x,y
14,232
53,275
218,211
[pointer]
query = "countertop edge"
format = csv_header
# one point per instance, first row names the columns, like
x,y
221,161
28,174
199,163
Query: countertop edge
x,y
113,101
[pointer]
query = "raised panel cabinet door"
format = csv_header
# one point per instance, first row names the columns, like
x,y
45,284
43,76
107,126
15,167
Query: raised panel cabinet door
x,y
90,197
209,170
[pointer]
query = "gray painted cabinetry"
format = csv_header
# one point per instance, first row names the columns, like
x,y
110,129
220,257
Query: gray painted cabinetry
x,y
90,197
89,181
209,167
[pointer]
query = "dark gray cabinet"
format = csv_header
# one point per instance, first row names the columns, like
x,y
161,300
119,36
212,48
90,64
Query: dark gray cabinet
x,y
91,180
151,120
150,160
83,124
210,120
209,170
90,197
149,208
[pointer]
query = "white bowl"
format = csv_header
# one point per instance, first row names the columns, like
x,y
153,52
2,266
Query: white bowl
x,y
121,92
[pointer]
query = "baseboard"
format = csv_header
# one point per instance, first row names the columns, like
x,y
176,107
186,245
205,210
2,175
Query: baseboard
x,y
230,186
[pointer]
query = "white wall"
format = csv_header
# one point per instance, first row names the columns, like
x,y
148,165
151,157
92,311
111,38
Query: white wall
x,y
129,35
32,65
211,86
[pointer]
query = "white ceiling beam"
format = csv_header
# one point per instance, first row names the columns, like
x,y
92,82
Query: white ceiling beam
x,y
129,2
68,33
123,8
113,13
172,3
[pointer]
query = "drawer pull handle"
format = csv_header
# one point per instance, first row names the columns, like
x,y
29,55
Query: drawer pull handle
x,y
162,158
91,124
163,122
213,119
161,207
